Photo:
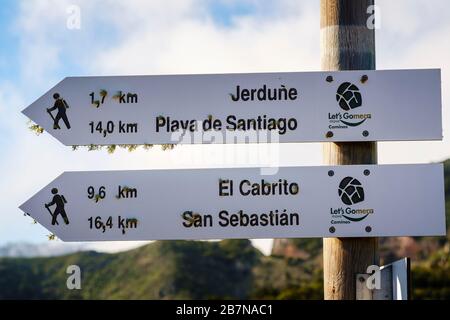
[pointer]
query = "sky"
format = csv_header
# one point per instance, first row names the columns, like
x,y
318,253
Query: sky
x,y
40,46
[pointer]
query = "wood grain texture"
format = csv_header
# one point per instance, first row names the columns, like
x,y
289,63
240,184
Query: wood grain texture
x,y
344,12
338,50
347,44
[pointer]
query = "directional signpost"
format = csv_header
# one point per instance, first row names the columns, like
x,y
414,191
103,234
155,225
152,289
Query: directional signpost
x,y
238,108
340,201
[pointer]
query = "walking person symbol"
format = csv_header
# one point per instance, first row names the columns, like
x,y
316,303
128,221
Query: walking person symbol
x,y
62,106
59,201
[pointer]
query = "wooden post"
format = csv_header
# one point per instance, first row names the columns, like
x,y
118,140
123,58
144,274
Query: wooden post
x,y
347,44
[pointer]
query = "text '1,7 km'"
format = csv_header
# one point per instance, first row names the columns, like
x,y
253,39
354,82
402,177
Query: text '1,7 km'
x,y
241,108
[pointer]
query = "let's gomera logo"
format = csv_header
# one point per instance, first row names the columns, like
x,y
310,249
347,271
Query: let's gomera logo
x,y
351,193
349,98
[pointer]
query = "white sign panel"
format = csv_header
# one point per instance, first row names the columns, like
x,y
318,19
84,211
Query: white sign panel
x,y
401,271
344,201
238,108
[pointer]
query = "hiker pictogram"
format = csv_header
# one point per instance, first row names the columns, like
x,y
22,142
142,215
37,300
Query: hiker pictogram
x,y
59,201
62,106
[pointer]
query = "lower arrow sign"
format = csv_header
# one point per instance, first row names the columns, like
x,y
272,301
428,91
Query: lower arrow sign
x,y
343,201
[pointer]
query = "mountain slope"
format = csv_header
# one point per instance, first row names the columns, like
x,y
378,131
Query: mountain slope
x,y
161,270
165,270
192,270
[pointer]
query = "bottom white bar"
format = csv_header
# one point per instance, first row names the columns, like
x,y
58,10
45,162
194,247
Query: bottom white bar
x,y
296,202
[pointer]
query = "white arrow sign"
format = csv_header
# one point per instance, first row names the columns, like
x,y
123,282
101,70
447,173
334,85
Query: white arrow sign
x,y
238,108
344,201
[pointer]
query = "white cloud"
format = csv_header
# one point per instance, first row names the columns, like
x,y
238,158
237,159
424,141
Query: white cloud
x,y
188,42
40,47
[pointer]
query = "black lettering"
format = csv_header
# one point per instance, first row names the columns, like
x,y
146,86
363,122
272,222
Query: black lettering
x,y
236,97
160,122
265,94
121,222
292,94
187,216
121,97
132,98
223,218
225,188
242,186
245,94
262,93
282,93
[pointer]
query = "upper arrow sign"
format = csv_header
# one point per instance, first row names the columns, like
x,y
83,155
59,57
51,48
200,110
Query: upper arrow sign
x,y
236,108
343,201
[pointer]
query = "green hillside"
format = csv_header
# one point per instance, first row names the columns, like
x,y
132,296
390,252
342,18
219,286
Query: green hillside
x,y
171,269
160,270
192,270
202,270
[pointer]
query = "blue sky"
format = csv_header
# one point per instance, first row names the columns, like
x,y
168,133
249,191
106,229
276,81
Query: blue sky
x,y
170,36
224,12
10,41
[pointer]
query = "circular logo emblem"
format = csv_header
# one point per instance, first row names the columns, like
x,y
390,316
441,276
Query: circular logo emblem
x,y
351,191
348,96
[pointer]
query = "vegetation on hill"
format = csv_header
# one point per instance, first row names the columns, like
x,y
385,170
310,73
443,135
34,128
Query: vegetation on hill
x,y
161,270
